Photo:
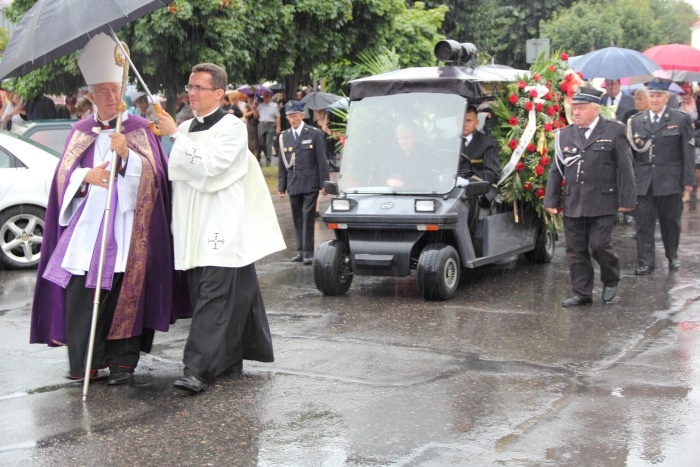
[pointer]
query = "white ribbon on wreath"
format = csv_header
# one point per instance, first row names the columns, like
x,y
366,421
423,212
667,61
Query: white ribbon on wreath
x,y
528,133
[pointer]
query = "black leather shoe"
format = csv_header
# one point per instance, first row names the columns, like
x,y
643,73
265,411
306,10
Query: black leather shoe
x,y
674,264
119,378
191,383
609,293
308,260
297,259
576,301
643,270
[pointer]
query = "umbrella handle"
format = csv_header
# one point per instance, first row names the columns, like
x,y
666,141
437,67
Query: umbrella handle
x,y
152,125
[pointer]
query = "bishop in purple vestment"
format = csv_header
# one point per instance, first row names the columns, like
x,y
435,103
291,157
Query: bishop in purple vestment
x,y
141,292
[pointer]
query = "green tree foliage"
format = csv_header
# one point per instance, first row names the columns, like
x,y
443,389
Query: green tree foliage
x,y
499,28
408,41
634,24
254,40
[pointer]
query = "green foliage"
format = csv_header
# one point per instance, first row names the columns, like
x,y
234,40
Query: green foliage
x,y
416,33
408,41
633,24
4,38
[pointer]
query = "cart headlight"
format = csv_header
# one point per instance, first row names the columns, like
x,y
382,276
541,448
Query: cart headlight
x,y
425,205
340,204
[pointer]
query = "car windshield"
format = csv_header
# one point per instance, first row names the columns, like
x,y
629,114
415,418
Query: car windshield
x,y
403,143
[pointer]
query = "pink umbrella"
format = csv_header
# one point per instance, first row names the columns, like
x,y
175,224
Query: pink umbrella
x,y
676,58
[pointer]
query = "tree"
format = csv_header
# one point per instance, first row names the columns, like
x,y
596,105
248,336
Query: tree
x,y
409,41
253,40
633,24
499,28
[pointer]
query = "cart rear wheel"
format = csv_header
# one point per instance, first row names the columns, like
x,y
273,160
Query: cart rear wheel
x,y
438,272
544,246
332,269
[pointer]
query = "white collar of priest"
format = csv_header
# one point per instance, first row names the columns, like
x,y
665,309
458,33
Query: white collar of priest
x,y
203,119
206,122
105,125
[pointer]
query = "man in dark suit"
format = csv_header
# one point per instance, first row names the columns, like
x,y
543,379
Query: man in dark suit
x,y
613,96
664,162
593,174
479,156
303,168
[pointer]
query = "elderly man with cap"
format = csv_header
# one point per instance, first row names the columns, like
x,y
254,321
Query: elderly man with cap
x,y
138,274
664,162
592,180
223,221
303,168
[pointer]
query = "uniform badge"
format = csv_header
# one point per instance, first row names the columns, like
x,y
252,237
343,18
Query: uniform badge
x,y
567,149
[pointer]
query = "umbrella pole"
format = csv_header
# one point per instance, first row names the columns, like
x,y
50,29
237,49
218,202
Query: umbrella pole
x,y
121,107
156,106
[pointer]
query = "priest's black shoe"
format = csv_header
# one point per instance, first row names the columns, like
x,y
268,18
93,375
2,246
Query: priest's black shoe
x,y
643,270
576,301
191,383
674,264
119,378
609,293
297,259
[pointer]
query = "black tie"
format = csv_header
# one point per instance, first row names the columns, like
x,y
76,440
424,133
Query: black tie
x,y
296,136
656,119
583,133
612,101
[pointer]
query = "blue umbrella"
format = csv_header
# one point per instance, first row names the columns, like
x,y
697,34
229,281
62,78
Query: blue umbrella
x,y
613,63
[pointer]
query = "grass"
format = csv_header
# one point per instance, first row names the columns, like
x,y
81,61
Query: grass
x,y
270,173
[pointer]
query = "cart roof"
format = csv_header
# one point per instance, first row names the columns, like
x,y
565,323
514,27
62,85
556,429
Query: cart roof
x,y
471,82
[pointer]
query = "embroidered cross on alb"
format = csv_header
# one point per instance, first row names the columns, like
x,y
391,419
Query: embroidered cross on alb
x,y
214,241
194,158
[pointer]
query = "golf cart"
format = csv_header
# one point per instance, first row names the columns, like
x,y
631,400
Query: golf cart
x,y
398,210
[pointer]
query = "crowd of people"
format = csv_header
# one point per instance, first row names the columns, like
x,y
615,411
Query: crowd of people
x,y
186,229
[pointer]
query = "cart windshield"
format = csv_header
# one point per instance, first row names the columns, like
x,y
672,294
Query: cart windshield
x,y
403,143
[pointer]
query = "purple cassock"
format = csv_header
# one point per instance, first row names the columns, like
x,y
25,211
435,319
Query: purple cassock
x,y
153,294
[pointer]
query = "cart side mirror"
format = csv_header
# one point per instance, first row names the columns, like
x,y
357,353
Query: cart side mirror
x,y
476,189
331,187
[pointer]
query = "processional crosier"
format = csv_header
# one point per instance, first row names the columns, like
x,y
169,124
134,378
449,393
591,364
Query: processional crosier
x,y
121,107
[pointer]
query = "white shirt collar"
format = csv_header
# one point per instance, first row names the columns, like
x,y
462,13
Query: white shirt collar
x,y
298,129
651,113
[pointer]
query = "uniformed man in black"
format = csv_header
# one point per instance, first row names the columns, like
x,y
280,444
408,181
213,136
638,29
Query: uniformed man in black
x,y
303,167
593,176
664,161
479,156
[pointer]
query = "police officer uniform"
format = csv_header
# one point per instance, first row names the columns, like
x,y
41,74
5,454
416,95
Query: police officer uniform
x,y
664,162
303,167
592,177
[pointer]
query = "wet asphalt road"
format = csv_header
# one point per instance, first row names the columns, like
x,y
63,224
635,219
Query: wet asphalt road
x,y
500,375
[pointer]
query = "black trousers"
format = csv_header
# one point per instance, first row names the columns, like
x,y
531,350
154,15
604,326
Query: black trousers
x,y
668,210
591,238
304,217
119,355
223,300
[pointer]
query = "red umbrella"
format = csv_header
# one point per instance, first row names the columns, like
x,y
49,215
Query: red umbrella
x,y
675,58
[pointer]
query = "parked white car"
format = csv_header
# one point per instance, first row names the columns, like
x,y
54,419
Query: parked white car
x,y
26,171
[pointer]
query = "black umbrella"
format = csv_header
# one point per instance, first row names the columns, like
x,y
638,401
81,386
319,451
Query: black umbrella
x,y
54,28
320,100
